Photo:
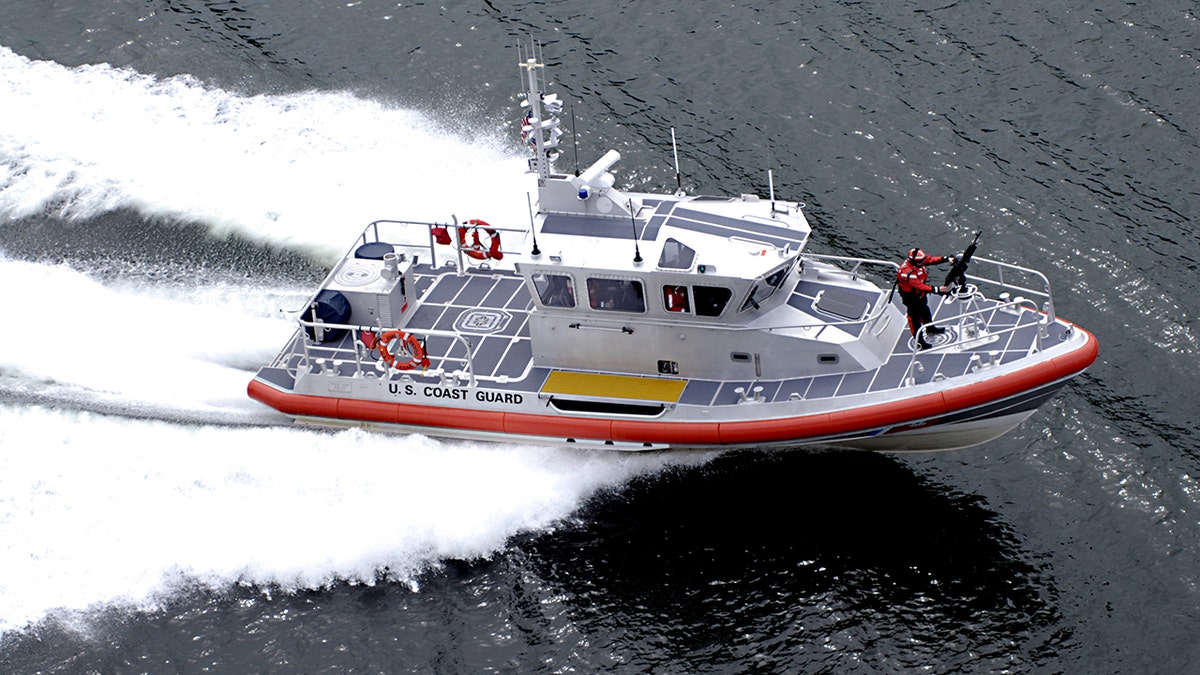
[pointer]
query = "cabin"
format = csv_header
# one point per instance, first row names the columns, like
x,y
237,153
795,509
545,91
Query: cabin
x,y
693,286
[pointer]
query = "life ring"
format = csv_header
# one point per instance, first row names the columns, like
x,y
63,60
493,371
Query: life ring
x,y
473,245
393,339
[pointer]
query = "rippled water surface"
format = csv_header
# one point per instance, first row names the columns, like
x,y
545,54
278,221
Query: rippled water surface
x,y
174,173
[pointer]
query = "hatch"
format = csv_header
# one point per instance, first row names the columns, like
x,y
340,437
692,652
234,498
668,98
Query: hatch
x,y
842,303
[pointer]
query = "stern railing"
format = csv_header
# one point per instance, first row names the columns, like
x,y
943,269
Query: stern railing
x,y
396,232
411,237
350,352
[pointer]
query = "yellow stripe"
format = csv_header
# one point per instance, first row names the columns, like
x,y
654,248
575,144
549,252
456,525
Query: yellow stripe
x,y
614,386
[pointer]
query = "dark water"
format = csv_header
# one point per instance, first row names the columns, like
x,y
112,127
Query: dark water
x,y
183,159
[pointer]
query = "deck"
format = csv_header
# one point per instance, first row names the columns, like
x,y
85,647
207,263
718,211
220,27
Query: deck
x,y
478,321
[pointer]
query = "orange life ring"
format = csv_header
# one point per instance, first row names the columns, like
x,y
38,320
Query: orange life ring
x,y
474,246
393,339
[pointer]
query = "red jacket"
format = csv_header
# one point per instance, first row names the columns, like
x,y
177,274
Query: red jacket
x,y
912,278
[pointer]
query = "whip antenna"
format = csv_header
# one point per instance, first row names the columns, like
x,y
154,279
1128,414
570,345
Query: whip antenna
x,y
574,140
678,175
637,253
771,187
532,228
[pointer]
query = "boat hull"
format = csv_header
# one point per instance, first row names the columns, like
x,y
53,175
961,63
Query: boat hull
x,y
920,418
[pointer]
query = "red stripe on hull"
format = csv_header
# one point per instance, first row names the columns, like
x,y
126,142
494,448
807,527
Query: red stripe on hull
x,y
673,433
558,426
689,433
368,411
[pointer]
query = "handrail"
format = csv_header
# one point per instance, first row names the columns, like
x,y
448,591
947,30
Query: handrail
x,y
878,308
429,244
1020,304
858,262
1008,286
312,353
986,272
1005,286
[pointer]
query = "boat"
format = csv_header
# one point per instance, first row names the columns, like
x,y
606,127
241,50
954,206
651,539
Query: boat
x,y
636,321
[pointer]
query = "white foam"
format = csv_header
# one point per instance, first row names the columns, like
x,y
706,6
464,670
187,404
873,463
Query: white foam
x,y
101,511
156,347
310,169
105,511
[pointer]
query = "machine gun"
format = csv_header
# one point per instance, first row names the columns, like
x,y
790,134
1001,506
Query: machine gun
x,y
958,273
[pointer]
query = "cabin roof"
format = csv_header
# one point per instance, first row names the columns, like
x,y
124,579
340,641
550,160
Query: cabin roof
x,y
718,229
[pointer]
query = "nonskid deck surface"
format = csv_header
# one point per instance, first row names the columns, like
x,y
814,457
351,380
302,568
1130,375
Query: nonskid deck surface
x,y
490,310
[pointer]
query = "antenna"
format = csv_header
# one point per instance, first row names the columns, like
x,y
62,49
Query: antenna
x,y
637,253
678,176
574,140
771,186
533,229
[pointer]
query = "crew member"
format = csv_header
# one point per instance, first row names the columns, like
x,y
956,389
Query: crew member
x,y
913,281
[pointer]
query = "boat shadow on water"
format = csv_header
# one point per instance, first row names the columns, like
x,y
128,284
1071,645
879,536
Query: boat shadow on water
x,y
742,556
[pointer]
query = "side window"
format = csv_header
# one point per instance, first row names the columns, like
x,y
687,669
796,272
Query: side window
x,y
675,299
616,295
555,290
711,300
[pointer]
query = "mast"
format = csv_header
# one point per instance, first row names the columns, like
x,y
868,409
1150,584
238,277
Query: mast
x,y
540,127
588,193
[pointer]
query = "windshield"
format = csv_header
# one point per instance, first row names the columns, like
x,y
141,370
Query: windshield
x,y
766,286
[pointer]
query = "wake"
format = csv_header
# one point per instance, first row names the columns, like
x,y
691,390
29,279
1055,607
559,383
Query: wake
x,y
110,512
307,170
181,480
